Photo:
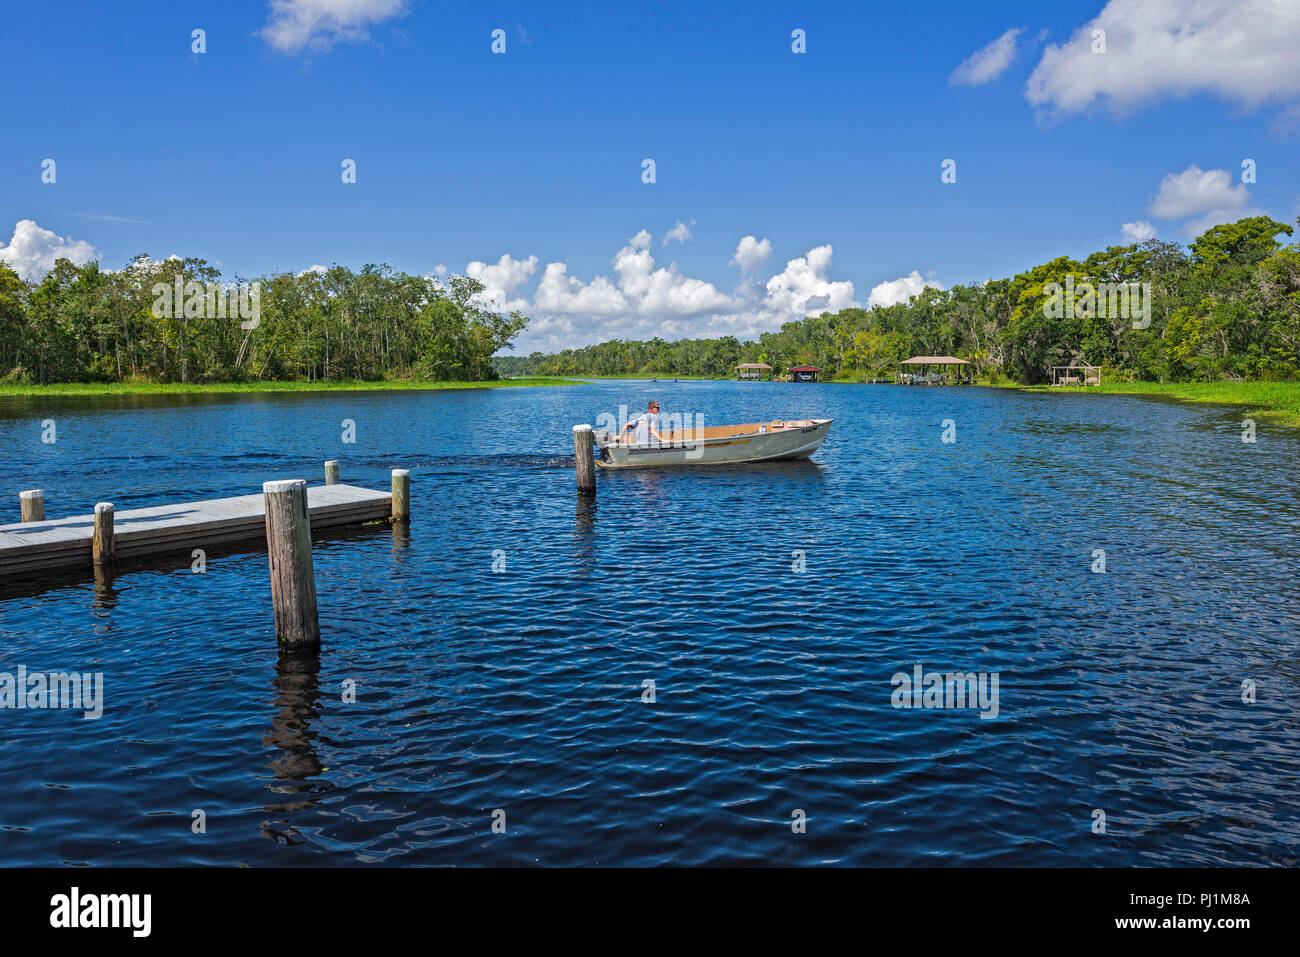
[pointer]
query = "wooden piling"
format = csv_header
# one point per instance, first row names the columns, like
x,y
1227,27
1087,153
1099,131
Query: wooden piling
x,y
332,472
293,578
584,459
401,495
102,547
32,504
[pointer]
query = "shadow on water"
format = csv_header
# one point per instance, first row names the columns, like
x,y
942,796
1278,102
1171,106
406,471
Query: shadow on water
x,y
297,696
584,532
182,560
106,593
25,406
801,470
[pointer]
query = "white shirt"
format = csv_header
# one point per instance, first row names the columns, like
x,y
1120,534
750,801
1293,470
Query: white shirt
x,y
644,423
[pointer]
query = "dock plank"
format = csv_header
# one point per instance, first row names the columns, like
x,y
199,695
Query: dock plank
x,y
157,529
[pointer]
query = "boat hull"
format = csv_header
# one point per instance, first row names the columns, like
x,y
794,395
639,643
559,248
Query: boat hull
x,y
735,445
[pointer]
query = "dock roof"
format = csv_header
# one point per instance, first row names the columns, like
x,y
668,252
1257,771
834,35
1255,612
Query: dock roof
x,y
933,361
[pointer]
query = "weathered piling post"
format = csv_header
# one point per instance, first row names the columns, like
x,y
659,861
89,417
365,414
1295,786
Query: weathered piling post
x,y
293,578
401,495
332,472
32,504
102,546
585,459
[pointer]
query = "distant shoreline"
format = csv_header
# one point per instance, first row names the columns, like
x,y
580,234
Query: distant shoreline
x,y
183,388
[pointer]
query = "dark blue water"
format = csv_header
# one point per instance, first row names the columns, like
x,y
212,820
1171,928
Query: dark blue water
x,y
522,691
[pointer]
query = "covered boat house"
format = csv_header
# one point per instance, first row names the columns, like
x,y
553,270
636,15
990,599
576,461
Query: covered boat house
x,y
753,370
1076,374
804,373
916,371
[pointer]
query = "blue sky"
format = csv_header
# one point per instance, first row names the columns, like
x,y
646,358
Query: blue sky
x,y
464,156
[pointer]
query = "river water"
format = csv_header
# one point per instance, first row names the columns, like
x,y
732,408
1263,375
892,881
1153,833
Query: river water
x,y
698,668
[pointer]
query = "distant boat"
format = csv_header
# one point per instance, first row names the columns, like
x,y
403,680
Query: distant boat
x,y
717,445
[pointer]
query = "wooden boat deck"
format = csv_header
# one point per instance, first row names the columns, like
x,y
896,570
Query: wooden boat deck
x,y
32,547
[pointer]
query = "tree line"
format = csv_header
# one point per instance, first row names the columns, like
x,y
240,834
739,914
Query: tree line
x,y
1227,307
89,324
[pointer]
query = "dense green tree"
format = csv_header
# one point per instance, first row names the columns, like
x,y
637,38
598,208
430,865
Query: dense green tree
x,y
84,323
1229,308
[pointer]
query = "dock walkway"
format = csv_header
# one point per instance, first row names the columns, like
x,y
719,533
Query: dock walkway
x,y
32,547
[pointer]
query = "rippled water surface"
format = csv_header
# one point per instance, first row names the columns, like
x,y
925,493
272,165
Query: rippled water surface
x,y
522,691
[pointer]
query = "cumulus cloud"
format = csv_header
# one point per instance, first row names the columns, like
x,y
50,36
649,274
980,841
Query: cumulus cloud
x,y
644,296
32,251
293,25
317,268
500,280
751,253
988,62
558,292
643,299
899,290
803,279
1241,50
681,232
1196,190
1138,232
1206,197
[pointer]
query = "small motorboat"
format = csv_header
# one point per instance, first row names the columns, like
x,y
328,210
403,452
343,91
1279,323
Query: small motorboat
x,y
716,444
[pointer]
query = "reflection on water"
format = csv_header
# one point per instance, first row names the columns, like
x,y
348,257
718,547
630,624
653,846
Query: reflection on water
x,y
500,644
296,765
105,593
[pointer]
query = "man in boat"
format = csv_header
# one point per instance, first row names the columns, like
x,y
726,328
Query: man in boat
x,y
647,425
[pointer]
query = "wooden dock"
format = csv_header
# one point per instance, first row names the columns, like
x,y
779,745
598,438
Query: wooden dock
x,y
29,548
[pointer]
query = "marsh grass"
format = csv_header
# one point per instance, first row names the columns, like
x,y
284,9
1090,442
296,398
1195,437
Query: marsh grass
x,y
1275,401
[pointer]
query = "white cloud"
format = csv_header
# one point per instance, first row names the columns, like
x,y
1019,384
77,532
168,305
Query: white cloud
x,y
644,299
31,251
111,219
1241,50
899,290
317,268
803,279
988,62
1196,190
1217,217
1138,232
751,253
558,292
660,292
500,280
440,270
1207,196
681,232
293,25
147,264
